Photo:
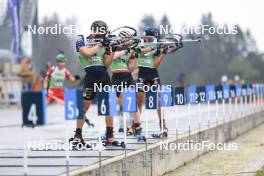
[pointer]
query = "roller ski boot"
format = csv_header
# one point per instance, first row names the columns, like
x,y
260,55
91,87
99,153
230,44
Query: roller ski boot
x,y
77,142
138,134
130,131
110,142
163,134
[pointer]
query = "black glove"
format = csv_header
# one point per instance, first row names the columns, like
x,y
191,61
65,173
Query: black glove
x,y
165,49
135,49
114,48
161,46
179,44
77,77
114,43
158,52
105,42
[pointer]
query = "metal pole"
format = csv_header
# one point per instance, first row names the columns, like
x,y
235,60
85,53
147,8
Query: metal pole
x,y
208,113
189,122
241,106
146,144
162,130
236,107
25,158
199,117
67,149
100,151
176,128
125,141
223,108
216,111
230,104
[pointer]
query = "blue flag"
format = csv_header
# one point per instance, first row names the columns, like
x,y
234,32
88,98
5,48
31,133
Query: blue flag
x,y
14,11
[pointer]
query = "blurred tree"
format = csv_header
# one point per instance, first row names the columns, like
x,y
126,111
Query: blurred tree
x,y
147,20
221,54
257,62
244,69
165,23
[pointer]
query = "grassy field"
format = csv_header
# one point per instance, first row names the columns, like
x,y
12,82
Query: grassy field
x,y
260,172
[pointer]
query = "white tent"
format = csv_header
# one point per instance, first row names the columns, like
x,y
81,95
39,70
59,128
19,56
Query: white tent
x,y
6,56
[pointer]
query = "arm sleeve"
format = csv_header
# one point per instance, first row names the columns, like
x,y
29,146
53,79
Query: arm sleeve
x,y
68,74
48,74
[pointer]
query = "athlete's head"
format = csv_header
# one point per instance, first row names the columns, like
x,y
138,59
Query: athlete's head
x,y
99,28
125,34
60,59
152,32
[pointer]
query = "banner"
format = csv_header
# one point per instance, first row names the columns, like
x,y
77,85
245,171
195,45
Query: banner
x,y
14,11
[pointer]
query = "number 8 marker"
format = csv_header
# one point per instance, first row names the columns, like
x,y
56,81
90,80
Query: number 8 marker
x,y
151,100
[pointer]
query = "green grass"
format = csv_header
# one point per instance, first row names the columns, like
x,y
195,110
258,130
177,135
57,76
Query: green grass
x,y
260,172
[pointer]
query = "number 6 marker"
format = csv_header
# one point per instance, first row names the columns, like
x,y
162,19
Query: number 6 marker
x,y
107,103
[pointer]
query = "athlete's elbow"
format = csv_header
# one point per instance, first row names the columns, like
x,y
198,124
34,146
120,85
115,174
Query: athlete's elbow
x,y
157,64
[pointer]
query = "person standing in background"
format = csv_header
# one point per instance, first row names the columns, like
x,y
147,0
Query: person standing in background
x,y
27,73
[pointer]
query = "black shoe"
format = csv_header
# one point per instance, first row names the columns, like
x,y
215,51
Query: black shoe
x,y
163,134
